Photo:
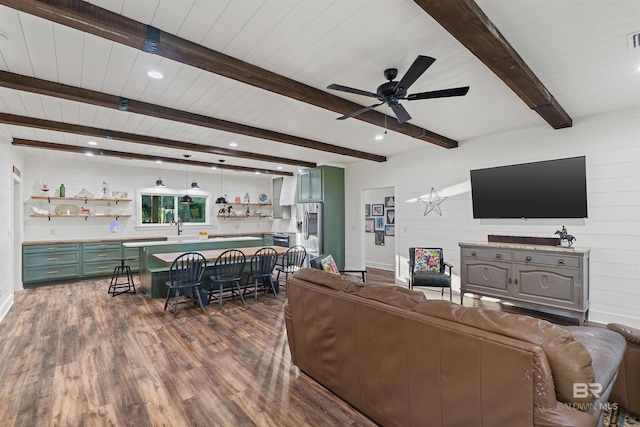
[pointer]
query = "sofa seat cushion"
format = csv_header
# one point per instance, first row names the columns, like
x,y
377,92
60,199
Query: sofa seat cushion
x,y
569,360
606,349
430,278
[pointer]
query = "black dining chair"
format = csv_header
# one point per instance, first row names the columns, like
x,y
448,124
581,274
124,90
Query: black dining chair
x,y
262,264
185,274
227,274
291,262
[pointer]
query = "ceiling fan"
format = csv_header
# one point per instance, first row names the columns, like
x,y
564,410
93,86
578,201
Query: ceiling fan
x,y
392,92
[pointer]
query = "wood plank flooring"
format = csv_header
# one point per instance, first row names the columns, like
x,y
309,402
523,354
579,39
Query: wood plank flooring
x,y
73,355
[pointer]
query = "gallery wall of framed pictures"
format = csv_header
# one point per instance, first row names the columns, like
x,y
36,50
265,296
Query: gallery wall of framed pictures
x,y
380,219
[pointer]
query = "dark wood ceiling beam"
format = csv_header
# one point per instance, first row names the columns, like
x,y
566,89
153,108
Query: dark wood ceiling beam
x,y
31,122
470,26
91,19
135,156
58,90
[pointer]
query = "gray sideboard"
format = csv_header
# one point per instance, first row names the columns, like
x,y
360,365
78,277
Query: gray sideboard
x,y
549,279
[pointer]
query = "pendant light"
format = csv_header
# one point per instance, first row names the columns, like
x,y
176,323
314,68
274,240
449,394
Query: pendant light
x,y
186,199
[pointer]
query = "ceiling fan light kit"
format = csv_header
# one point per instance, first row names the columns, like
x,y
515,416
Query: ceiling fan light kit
x,y
392,92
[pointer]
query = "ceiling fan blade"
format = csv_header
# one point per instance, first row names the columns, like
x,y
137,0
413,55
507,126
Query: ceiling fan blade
x,y
418,67
444,93
352,90
355,113
401,114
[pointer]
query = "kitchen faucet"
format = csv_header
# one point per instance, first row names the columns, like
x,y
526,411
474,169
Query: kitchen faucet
x,y
178,222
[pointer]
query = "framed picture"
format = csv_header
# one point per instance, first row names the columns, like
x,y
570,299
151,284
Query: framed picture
x,y
380,238
379,224
377,210
390,202
390,230
369,225
367,210
391,216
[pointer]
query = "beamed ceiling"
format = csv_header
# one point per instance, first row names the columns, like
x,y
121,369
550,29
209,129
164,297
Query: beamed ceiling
x,y
256,73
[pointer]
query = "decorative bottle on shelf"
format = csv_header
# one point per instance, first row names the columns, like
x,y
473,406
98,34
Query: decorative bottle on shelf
x,y
61,190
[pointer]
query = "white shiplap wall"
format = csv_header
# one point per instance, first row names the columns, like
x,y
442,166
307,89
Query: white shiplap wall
x,y
9,157
611,145
90,174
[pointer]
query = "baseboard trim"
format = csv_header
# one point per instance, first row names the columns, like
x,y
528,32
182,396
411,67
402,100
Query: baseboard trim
x,y
6,305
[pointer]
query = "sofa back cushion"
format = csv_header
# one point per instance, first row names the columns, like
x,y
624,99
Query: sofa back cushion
x,y
322,278
397,296
569,360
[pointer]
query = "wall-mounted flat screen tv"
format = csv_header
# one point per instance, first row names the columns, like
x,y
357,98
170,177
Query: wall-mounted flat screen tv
x,y
549,189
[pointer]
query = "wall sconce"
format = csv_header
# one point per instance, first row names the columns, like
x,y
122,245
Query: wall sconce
x,y
432,202
159,183
195,185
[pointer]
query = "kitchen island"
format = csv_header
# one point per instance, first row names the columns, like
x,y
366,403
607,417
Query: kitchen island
x,y
154,272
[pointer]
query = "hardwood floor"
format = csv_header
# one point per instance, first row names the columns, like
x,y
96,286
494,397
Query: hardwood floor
x,y
72,355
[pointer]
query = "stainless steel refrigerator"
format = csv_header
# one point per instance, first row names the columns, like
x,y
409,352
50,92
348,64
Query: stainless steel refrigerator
x,y
309,230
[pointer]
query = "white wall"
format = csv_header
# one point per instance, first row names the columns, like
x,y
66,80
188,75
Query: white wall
x,y
90,174
378,256
9,157
611,145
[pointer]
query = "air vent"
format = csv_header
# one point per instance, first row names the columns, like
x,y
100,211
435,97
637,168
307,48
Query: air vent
x,y
633,40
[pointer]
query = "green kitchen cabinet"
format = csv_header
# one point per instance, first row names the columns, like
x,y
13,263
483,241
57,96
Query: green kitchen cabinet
x,y
98,258
326,184
311,185
48,262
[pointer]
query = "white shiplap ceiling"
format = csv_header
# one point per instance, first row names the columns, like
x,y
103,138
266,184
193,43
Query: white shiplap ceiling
x,y
577,48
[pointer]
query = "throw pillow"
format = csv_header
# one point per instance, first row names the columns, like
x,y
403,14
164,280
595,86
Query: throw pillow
x,y
427,260
329,265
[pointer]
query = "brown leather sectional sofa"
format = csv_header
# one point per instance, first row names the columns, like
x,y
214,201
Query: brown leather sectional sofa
x,y
626,390
406,361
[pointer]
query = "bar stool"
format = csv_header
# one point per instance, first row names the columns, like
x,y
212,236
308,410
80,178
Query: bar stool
x,y
125,271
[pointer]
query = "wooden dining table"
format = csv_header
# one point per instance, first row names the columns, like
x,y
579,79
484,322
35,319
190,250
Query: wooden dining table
x,y
213,254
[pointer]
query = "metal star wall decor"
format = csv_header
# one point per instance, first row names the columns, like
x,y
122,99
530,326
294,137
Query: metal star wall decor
x,y
432,202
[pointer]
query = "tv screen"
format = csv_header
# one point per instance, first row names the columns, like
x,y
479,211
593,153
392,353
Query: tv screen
x,y
549,189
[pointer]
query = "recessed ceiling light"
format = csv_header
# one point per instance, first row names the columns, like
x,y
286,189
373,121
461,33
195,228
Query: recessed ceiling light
x,y
88,154
213,167
279,168
158,161
379,137
155,75
92,143
257,172
233,144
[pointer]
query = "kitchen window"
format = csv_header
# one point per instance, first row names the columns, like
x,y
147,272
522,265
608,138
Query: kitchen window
x,y
165,209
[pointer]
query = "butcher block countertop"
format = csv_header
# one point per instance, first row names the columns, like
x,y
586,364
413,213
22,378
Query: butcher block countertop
x,y
133,239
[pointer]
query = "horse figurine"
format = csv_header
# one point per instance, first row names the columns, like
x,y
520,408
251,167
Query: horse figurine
x,y
565,236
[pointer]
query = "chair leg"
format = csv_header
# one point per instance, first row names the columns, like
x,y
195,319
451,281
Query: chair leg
x,y
255,289
273,288
450,294
197,291
175,306
220,295
166,301
239,293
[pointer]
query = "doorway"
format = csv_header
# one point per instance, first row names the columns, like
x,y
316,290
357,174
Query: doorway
x,y
16,234
379,228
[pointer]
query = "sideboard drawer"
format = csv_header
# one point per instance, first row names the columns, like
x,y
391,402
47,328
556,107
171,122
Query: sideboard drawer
x,y
547,259
492,254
